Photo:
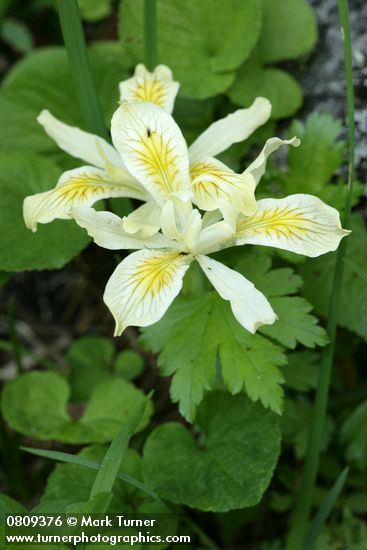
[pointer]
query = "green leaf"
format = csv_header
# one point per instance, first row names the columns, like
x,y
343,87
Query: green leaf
x,y
189,337
89,358
69,483
35,404
354,435
111,463
129,364
288,31
131,462
9,506
50,247
228,466
32,86
280,88
301,372
94,10
211,39
17,35
353,300
294,324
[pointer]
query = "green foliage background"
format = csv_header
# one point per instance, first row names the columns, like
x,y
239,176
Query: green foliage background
x,y
238,395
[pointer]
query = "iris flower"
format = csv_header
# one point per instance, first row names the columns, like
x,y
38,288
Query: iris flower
x,y
151,157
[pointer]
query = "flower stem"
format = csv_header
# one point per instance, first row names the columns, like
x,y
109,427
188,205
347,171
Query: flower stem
x,y
150,34
76,49
300,520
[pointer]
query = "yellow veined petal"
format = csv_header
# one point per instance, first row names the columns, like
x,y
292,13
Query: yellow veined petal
x,y
153,149
107,231
215,186
79,144
299,223
79,187
249,305
145,220
258,166
233,128
157,87
143,286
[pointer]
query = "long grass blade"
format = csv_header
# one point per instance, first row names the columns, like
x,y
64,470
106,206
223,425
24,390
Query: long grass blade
x,y
88,463
297,533
111,463
150,34
76,49
324,511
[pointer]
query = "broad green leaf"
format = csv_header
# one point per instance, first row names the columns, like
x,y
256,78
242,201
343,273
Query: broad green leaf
x,y
52,246
230,463
42,81
9,506
279,87
94,10
301,372
318,273
111,463
288,30
80,460
129,364
211,39
90,359
354,435
97,504
189,337
69,483
295,324
35,404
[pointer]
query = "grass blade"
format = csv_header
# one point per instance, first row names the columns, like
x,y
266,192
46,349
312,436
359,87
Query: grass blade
x,y
150,34
323,512
111,463
88,463
297,533
76,49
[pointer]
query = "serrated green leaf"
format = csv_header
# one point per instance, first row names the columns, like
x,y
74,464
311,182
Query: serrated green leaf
x,y
229,466
211,39
313,164
317,276
23,174
288,31
279,87
189,337
294,324
35,404
31,86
